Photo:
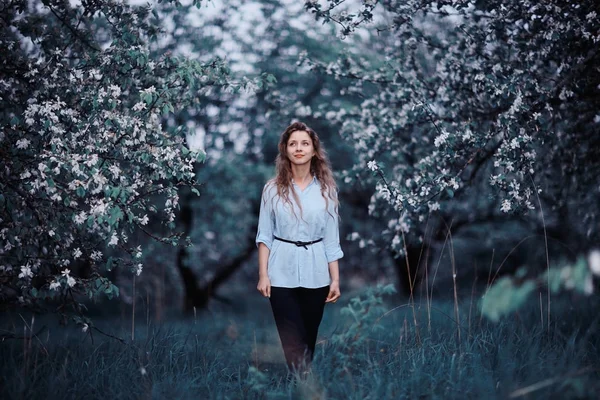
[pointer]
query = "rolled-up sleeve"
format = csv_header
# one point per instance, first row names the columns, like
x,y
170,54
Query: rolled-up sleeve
x,y
264,232
331,239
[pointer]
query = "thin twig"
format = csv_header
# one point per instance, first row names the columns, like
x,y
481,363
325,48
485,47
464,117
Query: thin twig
x,y
108,334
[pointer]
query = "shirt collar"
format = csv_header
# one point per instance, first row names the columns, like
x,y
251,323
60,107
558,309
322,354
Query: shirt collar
x,y
314,180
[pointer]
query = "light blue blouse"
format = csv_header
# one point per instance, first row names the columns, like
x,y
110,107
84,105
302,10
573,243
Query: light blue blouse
x,y
288,264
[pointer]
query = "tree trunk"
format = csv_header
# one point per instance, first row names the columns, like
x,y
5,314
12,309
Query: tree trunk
x,y
196,296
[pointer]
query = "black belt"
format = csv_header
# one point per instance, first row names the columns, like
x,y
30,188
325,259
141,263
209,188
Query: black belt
x,y
299,243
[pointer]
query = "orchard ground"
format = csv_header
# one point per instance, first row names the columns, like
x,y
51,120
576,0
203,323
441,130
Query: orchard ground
x,y
233,352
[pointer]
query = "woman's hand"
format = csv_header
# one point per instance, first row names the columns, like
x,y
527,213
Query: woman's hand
x,y
264,286
334,292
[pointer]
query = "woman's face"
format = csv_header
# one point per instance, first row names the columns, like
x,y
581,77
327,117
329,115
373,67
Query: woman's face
x,y
300,149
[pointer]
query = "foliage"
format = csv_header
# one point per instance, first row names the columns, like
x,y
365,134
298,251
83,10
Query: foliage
x,y
87,140
508,294
363,311
473,110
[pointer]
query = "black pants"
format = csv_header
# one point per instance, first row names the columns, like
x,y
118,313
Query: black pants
x,y
298,313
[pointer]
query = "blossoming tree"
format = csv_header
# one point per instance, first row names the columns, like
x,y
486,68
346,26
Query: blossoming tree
x,y
84,145
474,111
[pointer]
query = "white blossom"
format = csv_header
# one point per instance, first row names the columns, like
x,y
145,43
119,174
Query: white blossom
x,y
95,74
115,171
77,253
113,240
80,218
385,192
372,165
441,139
454,183
139,106
115,91
54,285
23,143
26,272
99,208
506,206
150,90
70,281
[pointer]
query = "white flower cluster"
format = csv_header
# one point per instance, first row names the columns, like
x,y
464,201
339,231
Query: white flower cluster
x,y
69,279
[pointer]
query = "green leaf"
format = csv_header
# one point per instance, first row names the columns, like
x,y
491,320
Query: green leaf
x,y
271,78
109,264
115,215
504,297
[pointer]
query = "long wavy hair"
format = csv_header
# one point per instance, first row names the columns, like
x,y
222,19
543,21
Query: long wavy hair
x,y
319,167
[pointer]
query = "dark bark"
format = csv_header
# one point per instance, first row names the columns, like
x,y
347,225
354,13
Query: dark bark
x,y
197,296
409,268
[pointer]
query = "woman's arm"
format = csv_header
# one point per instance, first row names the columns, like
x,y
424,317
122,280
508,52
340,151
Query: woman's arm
x,y
264,283
263,257
264,240
334,271
334,286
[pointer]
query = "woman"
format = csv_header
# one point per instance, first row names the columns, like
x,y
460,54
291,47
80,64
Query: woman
x,y
298,242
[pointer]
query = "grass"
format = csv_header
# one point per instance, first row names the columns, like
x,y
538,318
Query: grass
x,y
228,356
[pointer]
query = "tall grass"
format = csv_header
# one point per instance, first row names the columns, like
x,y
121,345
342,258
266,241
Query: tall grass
x,y
371,353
